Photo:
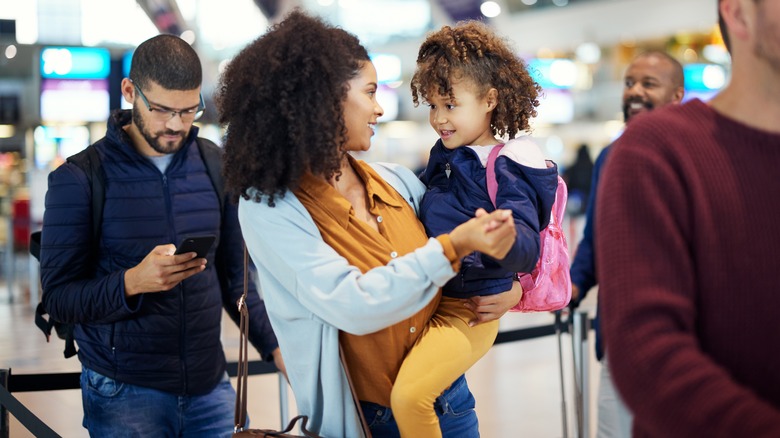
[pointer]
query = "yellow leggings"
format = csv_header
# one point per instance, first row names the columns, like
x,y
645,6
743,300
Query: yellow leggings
x,y
446,349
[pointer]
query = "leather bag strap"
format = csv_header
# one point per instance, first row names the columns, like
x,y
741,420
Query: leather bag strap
x,y
241,385
363,422
243,358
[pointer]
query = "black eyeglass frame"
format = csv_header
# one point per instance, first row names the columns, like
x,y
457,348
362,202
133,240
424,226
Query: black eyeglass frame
x,y
196,112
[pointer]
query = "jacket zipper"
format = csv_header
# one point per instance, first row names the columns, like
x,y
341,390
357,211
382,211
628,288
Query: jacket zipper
x,y
180,287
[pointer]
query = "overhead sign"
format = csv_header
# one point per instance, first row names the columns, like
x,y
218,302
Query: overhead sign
x,y
75,62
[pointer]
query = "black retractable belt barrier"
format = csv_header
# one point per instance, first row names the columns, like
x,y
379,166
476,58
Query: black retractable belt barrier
x,y
57,381
27,418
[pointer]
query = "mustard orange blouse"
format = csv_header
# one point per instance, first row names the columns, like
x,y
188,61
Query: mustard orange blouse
x,y
373,360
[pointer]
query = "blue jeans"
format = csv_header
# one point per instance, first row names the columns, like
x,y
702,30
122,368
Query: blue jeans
x,y
455,409
116,409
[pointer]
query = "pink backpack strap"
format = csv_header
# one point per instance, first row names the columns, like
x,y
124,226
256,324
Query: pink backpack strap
x,y
559,207
490,176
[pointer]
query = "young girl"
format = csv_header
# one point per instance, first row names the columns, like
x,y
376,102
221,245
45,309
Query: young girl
x,y
478,91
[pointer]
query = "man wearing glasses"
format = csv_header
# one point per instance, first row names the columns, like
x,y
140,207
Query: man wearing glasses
x,y
147,320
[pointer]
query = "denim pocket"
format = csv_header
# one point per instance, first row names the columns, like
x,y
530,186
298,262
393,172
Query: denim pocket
x,y
457,400
100,384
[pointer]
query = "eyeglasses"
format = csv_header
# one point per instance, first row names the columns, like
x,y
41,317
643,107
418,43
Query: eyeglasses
x,y
163,114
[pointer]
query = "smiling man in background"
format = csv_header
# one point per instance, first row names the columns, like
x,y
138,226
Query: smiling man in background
x,y
653,79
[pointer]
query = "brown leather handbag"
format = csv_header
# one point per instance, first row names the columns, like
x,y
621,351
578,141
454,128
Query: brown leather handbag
x,y
241,391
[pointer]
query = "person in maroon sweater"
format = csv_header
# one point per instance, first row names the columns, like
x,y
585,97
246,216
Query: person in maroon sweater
x,y
687,250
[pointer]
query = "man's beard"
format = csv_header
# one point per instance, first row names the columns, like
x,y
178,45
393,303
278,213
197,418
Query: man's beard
x,y
154,141
627,105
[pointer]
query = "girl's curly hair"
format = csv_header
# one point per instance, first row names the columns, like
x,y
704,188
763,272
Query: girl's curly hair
x,y
281,100
471,50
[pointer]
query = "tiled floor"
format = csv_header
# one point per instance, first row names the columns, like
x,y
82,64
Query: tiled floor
x,y
516,385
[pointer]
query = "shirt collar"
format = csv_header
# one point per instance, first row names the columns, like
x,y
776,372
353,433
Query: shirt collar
x,y
376,186
331,201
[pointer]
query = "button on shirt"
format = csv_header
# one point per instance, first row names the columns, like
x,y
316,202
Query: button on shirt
x,y
373,360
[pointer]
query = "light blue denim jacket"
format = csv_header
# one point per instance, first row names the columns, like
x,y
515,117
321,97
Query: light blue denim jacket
x,y
311,292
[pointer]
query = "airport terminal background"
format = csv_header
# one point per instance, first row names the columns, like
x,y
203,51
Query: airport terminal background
x,y
61,62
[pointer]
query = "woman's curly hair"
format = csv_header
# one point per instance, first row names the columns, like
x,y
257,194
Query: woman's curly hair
x,y
471,50
281,100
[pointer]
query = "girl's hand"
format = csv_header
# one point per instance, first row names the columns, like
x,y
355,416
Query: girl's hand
x,y
492,234
491,307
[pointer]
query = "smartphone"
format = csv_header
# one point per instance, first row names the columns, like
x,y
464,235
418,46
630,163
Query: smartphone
x,y
197,244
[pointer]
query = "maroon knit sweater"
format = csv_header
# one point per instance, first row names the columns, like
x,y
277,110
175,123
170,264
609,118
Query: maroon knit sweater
x,y
688,250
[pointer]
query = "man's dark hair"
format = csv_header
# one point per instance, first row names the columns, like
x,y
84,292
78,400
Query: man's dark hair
x,y
168,61
724,31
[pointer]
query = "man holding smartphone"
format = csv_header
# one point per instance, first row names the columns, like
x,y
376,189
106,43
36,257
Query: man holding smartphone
x,y
147,320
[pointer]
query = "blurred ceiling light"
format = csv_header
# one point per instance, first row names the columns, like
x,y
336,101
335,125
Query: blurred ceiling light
x,y
7,131
490,9
388,67
563,73
529,2
560,2
714,77
589,53
10,51
188,36
690,55
716,53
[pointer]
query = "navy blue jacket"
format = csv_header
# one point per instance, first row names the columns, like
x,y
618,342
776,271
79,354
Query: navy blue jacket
x,y
168,341
450,201
583,268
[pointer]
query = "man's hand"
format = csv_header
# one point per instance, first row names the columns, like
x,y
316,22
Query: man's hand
x,y
575,293
279,362
489,233
491,307
161,270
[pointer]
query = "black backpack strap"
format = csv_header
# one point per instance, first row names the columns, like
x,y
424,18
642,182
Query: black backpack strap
x,y
212,156
42,323
88,160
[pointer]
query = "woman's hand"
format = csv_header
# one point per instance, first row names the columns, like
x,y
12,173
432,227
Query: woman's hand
x,y
491,307
489,233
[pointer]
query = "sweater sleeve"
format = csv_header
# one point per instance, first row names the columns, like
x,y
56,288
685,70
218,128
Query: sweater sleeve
x,y
649,302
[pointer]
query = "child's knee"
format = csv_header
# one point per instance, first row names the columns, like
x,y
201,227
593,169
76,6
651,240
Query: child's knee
x,y
406,399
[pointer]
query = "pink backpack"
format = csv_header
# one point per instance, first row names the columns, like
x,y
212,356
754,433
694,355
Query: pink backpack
x,y
548,286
